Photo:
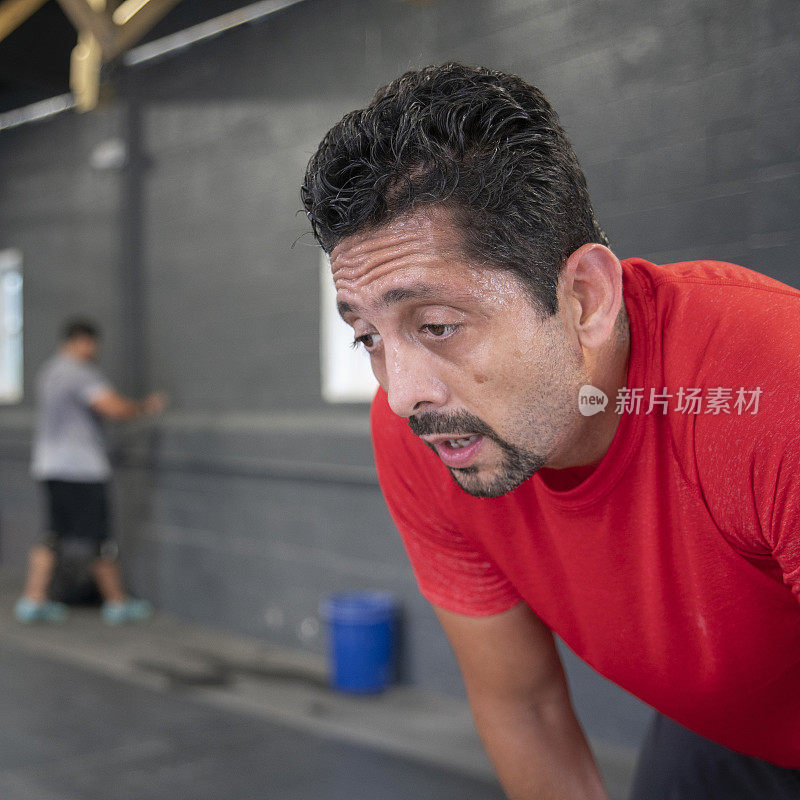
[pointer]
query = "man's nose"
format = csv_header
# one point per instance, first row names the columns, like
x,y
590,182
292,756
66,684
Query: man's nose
x,y
412,384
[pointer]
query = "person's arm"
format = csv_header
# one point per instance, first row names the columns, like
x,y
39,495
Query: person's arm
x,y
520,701
112,405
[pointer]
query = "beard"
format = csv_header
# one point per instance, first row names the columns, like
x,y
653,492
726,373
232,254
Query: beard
x,y
517,464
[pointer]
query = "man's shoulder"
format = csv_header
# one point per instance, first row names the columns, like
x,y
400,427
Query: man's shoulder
x,y
61,375
724,342
53,364
55,372
698,297
722,276
713,320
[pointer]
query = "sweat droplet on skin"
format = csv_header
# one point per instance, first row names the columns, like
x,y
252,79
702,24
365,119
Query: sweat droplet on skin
x,y
504,287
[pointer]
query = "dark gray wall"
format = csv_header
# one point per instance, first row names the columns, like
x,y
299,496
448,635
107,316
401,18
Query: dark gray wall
x,y
234,510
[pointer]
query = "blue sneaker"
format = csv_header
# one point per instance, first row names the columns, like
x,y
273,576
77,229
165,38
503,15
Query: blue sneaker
x,y
28,612
131,610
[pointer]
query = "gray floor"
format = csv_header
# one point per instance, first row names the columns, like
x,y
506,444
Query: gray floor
x,y
71,734
166,710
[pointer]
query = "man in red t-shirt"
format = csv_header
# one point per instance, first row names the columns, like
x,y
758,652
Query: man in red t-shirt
x,y
569,443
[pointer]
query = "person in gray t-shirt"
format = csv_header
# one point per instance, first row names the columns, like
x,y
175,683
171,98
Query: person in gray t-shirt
x,y
71,461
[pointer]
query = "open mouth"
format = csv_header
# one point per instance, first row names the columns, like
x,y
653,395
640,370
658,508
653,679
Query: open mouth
x,y
457,451
458,444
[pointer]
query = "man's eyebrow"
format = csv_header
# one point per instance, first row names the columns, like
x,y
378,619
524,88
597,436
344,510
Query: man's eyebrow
x,y
343,308
419,292
393,296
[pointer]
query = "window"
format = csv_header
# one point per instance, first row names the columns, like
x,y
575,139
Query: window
x,y
10,326
346,373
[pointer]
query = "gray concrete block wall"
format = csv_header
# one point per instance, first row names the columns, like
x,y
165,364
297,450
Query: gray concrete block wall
x,y
63,216
194,259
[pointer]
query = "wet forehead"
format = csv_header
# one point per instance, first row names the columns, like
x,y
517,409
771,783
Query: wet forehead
x,y
418,241
419,257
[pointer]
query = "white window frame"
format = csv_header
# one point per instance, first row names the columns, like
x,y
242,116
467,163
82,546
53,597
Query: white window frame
x,y
346,372
11,365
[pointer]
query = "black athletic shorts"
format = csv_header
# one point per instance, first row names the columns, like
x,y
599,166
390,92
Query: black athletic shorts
x,y
78,511
676,764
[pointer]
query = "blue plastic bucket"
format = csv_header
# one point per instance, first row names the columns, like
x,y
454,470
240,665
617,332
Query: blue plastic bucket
x,y
361,640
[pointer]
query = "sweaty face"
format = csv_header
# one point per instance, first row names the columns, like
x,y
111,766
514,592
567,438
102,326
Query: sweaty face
x,y
484,379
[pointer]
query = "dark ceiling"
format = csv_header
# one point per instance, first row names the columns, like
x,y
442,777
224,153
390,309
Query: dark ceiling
x,y
34,59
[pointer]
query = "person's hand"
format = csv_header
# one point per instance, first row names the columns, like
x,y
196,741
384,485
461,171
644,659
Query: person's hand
x,y
155,403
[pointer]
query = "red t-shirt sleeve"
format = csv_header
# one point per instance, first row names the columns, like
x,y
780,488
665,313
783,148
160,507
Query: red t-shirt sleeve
x,y
452,569
785,528
749,463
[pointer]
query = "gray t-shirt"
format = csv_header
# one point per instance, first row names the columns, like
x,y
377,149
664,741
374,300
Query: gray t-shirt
x,y
68,440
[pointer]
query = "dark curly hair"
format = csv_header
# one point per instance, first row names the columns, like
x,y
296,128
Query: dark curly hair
x,y
79,326
484,145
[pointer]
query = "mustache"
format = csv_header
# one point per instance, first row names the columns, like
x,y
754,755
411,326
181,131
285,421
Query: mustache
x,y
456,423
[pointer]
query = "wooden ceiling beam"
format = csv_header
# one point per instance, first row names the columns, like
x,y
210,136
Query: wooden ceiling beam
x,y
100,39
14,12
86,19
84,73
92,16
138,26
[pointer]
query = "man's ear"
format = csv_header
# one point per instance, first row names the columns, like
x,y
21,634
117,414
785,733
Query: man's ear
x,y
590,292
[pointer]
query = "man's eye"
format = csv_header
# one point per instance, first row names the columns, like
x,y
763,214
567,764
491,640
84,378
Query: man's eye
x,y
367,341
440,330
